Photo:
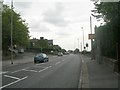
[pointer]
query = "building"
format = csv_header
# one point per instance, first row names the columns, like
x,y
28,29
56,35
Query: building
x,y
35,41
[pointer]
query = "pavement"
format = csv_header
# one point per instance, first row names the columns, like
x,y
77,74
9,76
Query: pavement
x,y
96,75
20,59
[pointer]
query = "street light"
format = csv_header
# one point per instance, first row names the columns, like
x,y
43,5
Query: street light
x,y
78,43
11,32
83,37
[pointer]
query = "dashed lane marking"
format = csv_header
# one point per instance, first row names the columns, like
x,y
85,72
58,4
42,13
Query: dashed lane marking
x,y
57,63
13,82
30,70
45,69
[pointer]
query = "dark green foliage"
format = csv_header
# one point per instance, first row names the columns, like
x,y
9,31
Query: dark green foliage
x,y
20,29
76,50
109,33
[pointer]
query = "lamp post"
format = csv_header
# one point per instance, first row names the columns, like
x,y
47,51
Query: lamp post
x,y
83,37
1,8
78,43
11,31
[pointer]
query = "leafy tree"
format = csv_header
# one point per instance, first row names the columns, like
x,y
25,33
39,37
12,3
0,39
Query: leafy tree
x,y
109,33
57,48
20,29
42,43
76,50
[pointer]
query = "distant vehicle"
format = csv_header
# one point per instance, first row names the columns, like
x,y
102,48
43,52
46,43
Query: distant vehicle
x,y
42,57
66,53
21,50
60,54
84,52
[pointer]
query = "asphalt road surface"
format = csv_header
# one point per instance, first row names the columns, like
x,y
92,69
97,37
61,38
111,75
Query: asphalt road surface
x,y
59,72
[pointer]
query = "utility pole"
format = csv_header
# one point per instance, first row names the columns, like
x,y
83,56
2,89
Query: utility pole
x,y
11,31
1,8
91,39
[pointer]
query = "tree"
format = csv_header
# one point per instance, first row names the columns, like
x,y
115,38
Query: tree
x,y
20,29
108,34
42,43
57,48
76,50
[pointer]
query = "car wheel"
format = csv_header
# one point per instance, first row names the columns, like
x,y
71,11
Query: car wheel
x,y
34,61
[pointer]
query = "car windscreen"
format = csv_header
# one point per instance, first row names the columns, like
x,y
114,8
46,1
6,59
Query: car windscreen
x,y
39,55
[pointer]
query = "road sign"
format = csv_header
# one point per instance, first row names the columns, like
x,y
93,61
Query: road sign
x,y
91,36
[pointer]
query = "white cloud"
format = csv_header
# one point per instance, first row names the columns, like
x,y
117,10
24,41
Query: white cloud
x,y
60,20
55,16
38,26
62,34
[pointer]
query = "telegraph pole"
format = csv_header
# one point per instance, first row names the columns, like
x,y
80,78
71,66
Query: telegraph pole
x,y
11,31
91,39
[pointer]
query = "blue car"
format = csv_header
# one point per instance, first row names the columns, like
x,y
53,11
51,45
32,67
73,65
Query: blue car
x,y
41,58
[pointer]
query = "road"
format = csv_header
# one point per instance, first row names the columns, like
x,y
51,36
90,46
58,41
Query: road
x,y
59,72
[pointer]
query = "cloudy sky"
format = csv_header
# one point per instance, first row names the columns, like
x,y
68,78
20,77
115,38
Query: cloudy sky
x,y
60,20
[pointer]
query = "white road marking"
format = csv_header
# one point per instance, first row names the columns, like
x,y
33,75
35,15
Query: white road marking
x,y
41,64
12,77
82,60
80,80
13,82
57,63
45,69
29,70
3,72
16,71
19,70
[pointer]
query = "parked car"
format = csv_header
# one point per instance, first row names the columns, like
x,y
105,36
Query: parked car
x,y
42,57
21,50
60,54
